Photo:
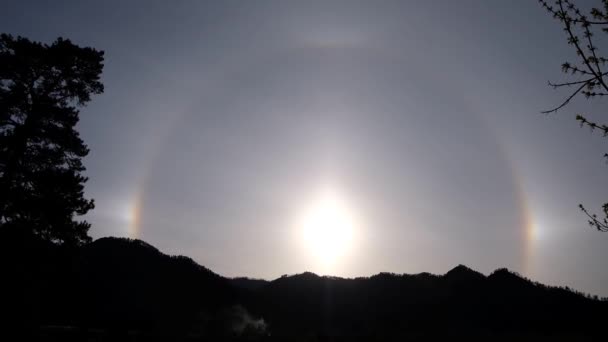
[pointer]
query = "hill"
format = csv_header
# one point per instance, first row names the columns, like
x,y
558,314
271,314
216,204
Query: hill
x,y
123,286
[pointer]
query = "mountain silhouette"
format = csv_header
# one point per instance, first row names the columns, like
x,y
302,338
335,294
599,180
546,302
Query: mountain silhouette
x,y
116,286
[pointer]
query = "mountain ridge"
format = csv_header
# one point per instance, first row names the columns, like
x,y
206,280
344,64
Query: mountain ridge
x,y
119,283
459,270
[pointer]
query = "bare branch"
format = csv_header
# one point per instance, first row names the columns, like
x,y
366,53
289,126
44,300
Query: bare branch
x,y
578,90
599,224
557,85
592,125
575,41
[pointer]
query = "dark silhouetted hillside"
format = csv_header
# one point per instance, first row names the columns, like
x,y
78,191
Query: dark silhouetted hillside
x,y
131,283
462,302
117,286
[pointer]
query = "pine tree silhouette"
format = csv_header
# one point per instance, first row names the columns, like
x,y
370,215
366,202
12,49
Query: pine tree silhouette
x,y
42,88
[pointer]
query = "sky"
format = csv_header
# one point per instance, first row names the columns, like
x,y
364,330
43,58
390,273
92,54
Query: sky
x,y
407,134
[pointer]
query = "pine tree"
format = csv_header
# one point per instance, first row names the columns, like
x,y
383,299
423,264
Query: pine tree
x,y
42,88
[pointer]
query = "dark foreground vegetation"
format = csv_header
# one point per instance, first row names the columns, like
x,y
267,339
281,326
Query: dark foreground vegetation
x,y
121,289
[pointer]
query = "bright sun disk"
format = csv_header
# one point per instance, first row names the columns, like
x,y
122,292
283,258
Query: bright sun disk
x,y
327,230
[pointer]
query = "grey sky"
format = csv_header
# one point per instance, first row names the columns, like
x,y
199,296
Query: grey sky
x,y
221,121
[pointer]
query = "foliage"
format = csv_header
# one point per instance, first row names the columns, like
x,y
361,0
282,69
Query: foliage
x,y
42,88
588,75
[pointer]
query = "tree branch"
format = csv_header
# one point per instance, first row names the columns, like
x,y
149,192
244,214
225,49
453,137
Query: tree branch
x,y
601,225
566,101
557,85
574,39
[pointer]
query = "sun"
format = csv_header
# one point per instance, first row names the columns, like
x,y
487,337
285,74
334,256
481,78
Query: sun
x,y
327,230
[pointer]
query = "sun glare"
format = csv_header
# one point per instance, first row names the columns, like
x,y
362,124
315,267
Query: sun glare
x,y
327,230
